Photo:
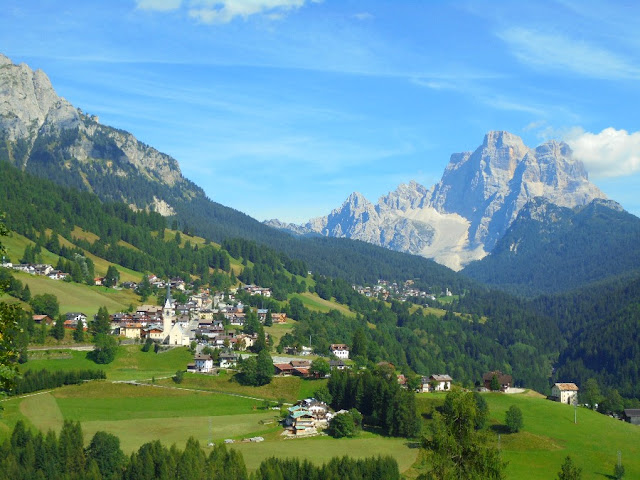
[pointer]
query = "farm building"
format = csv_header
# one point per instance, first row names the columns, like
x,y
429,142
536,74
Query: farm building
x,y
565,393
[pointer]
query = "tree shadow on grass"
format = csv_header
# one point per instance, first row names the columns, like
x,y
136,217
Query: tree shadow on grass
x,y
500,429
413,444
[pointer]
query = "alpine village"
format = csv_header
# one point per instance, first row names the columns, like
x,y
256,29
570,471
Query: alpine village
x,y
148,332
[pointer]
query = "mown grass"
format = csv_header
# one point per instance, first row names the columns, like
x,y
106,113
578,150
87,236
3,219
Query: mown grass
x,y
549,435
43,412
134,433
321,449
16,244
74,297
290,389
277,330
130,362
313,302
114,402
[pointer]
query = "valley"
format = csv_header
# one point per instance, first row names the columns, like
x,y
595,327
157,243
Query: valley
x,y
135,308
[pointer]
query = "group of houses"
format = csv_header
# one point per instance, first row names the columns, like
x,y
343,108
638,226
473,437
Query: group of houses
x,y
42,269
203,363
202,318
385,290
307,416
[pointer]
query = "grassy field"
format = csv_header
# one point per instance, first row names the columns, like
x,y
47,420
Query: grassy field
x,y
321,449
15,245
130,362
314,302
203,404
74,297
290,389
549,435
139,414
277,330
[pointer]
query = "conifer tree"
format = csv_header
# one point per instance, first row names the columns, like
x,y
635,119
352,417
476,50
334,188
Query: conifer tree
x,y
78,333
57,331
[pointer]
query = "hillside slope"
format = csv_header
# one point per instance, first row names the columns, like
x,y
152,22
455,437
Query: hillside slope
x,y
551,249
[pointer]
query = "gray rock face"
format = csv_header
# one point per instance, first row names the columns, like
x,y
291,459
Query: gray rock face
x,y
30,110
463,216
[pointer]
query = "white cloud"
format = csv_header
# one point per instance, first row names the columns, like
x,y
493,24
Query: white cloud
x,y
610,153
159,5
546,50
224,11
363,16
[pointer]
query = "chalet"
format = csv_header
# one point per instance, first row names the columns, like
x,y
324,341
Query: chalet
x,y
57,275
98,281
133,330
283,369
279,317
43,269
149,310
301,364
203,363
632,415
154,332
565,393
505,381
440,383
228,360
301,372
244,341
337,365
340,350
40,319
306,416
76,317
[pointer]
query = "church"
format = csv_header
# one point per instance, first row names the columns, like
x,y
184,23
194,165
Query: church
x,y
175,333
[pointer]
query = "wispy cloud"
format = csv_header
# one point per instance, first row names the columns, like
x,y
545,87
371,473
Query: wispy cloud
x,y
363,16
610,153
554,51
224,11
159,5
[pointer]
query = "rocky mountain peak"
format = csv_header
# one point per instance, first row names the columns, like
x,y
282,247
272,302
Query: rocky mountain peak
x,y
53,133
470,209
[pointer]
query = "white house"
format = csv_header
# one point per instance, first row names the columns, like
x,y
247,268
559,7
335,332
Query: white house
x,y
565,393
204,363
436,383
340,350
228,360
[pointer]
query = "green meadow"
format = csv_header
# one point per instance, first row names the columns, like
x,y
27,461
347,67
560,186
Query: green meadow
x,y
550,434
290,389
130,362
74,297
313,302
217,407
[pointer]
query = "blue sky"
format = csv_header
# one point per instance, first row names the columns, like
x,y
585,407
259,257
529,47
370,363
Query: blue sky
x,y
282,108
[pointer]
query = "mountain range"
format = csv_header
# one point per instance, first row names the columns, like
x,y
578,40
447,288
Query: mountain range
x,y
488,201
43,134
462,217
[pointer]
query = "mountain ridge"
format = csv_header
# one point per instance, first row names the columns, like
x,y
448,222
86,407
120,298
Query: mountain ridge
x,y
462,217
81,153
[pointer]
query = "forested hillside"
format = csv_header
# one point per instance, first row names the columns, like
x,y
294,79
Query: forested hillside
x,y
601,325
551,249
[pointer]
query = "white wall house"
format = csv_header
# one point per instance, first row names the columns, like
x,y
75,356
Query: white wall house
x,y
340,350
436,383
565,393
204,363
